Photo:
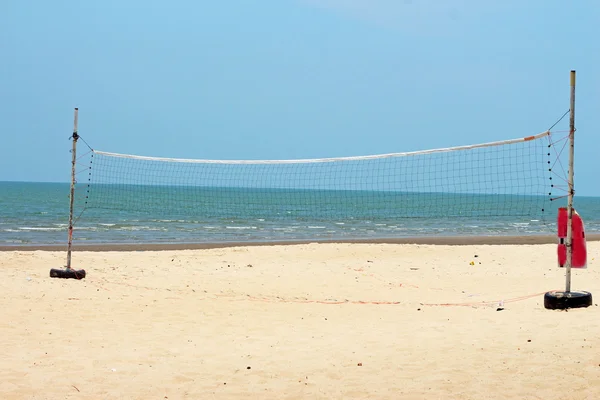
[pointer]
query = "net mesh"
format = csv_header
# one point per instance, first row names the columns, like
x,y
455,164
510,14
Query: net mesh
x,y
502,186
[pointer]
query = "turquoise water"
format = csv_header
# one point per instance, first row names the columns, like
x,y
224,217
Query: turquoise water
x,y
37,213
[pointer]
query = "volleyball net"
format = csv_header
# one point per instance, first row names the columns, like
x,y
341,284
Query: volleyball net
x,y
508,187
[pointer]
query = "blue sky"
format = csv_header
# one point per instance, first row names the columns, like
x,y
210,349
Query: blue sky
x,y
291,78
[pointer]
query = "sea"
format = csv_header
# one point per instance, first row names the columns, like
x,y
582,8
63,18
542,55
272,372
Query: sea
x,y
38,214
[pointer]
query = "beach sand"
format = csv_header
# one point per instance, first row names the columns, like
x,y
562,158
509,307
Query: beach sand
x,y
309,321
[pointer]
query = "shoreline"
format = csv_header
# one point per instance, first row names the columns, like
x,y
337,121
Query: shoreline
x,y
424,240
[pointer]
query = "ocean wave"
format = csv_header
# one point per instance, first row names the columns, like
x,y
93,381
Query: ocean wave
x,y
133,228
241,227
41,229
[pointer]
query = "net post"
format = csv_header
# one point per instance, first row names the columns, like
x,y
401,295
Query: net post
x,y
571,185
557,300
68,272
72,192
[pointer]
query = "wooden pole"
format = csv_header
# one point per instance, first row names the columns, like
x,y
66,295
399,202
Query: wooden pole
x,y
72,196
571,185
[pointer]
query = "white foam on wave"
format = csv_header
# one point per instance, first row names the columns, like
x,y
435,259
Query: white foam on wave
x,y
41,229
133,228
107,224
316,227
241,227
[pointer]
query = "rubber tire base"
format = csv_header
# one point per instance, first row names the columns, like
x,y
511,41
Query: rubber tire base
x,y
564,300
67,273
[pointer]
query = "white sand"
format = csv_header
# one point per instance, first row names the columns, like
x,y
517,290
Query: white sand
x,y
188,324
